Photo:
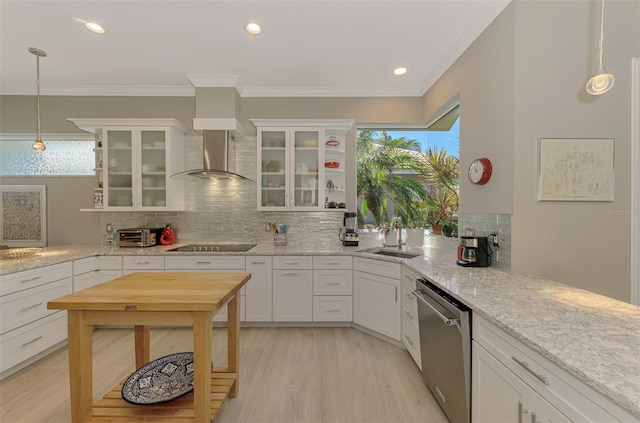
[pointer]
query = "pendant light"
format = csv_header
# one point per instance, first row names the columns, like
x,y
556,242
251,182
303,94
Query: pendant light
x,y
601,81
38,145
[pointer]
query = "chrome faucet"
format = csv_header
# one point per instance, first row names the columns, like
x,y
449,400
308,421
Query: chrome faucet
x,y
393,227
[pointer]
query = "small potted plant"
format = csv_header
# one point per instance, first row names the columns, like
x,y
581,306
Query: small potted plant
x,y
440,208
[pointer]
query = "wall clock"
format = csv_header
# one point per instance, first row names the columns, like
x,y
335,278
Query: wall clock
x,y
480,171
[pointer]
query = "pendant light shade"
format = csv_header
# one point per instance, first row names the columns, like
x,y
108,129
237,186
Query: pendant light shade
x,y
38,145
601,81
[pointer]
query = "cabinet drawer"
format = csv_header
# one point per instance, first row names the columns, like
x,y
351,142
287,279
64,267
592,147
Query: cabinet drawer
x,y
568,394
409,276
84,281
410,313
143,262
85,265
332,308
293,262
332,282
377,267
409,301
110,262
26,306
29,278
205,262
20,344
332,262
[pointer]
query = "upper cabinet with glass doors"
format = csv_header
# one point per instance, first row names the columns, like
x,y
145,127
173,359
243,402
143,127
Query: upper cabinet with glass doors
x,y
138,158
301,164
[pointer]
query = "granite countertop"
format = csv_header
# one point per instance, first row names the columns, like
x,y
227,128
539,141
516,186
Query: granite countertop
x,y
593,337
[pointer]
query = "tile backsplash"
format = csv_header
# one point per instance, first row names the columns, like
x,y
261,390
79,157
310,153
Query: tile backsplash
x,y
485,224
226,209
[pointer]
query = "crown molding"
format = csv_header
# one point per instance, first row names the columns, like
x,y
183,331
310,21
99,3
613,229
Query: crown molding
x,y
102,90
326,91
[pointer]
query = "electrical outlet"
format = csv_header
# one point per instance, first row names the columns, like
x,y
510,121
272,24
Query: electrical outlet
x,y
496,238
109,228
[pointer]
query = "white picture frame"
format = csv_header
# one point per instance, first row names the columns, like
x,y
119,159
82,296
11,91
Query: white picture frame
x,y
576,169
23,215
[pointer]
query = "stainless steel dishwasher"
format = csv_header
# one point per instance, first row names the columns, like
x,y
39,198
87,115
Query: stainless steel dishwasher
x,y
445,344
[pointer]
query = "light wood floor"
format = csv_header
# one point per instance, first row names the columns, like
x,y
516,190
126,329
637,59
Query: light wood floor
x,y
297,375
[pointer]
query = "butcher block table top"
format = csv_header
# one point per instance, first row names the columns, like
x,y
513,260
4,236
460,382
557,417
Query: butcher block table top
x,y
155,298
157,291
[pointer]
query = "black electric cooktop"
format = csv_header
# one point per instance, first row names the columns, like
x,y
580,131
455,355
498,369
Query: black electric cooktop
x,y
214,248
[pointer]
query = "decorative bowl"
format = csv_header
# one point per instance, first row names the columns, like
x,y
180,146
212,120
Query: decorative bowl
x,y
332,164
19,253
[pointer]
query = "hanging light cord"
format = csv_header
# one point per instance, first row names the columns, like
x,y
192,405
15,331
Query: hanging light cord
x,y
601,34
38,93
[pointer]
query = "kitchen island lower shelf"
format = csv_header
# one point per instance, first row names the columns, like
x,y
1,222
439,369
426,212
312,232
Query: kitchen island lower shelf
x,y
113,409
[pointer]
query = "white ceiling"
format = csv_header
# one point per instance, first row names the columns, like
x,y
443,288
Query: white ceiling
x,y
307,48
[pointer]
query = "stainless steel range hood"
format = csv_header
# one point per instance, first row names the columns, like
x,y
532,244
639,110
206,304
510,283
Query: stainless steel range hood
x,y
218,157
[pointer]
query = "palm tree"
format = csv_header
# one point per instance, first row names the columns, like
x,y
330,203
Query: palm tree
x,y
378,158
441,172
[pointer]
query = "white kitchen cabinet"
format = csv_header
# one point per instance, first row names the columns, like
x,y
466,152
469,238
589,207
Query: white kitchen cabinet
x,y
132,264
208,263
110,268
509,378
85,273
376,296
27,327
292,289
258,290
410,324
138,157
332,289
301,163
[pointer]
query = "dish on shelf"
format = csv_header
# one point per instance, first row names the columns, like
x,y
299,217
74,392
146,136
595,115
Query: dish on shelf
x,y
332,143
332,163
19,253
161,380
310,143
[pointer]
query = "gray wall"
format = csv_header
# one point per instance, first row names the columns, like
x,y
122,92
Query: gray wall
x,y
523,79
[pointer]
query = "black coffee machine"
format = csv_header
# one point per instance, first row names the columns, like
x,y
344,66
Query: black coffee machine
x,y
474,251
348,231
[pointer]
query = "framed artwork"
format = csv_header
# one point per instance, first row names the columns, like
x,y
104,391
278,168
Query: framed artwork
x,y
23,215
575,169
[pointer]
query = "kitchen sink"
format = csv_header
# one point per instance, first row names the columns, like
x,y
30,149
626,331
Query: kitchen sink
x,y
396,254
221,247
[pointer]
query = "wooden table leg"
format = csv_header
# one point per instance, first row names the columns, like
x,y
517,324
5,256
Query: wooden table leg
x,y
142,346
202,347
80,367
233,341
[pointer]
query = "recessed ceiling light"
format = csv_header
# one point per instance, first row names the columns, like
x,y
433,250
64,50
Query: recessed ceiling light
x,y
94,27
399,71
253,28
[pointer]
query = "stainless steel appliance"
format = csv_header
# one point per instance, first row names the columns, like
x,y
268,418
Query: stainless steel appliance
x,y
473,251
139,237
348,232
214,248
445,344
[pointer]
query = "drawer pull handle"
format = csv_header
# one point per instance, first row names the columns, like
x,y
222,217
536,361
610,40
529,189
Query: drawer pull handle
x,y
203,262
409,340
291,262
333,264
329,310
35,278
30,307
32,341
258,262
292,273
525,365
142,262
333,283
408,314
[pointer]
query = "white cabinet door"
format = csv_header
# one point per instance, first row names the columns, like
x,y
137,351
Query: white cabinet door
x,y
500,396
85,280
376,303
258,289
292,296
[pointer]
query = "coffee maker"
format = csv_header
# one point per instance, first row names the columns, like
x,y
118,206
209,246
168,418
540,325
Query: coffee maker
x,y
348,232
473,251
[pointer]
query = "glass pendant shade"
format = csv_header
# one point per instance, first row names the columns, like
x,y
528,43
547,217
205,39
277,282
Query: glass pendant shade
x,y
601,81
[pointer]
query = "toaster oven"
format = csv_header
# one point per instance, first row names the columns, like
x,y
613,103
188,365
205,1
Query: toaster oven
x,y
139,237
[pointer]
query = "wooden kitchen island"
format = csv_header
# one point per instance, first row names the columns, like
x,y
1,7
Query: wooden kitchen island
x,y
158,299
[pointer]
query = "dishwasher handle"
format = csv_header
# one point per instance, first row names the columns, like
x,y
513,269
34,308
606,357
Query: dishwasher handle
x,y
447,321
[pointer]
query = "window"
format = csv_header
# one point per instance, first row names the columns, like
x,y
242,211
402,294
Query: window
x,y
70,155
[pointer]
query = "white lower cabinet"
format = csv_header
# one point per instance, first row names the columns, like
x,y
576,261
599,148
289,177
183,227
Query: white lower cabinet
x,y
258,290
85,273
513,383
410,325
332,289
27,327
292,289
376,296
110,268
132,264
206,263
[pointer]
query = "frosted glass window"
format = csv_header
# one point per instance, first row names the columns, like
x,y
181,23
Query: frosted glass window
x,y
61,158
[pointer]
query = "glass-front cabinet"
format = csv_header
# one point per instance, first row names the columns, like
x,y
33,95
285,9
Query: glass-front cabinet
x,y
138,161
301,167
